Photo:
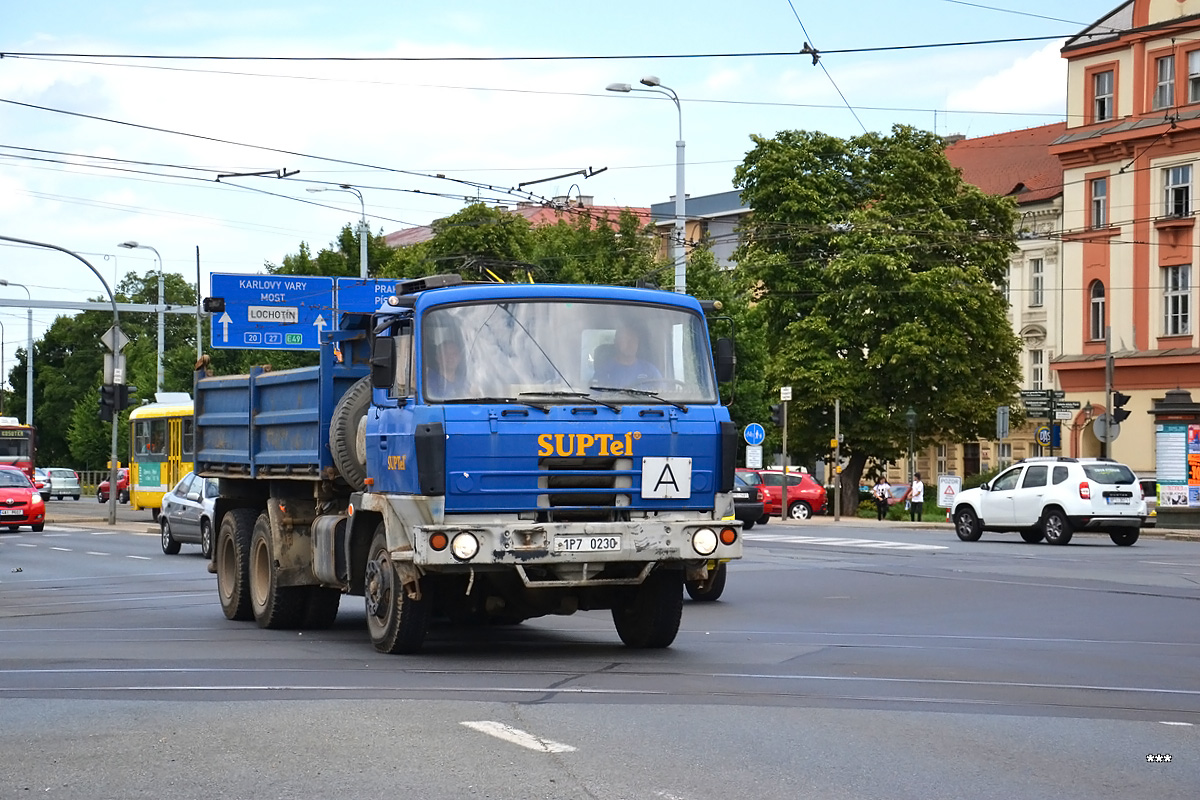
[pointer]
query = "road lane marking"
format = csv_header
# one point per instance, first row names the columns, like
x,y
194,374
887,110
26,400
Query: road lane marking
x,y
518,737
94,553
62,549
140,558
835,542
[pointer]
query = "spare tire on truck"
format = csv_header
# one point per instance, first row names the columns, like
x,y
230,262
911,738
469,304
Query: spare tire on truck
x,y
347,434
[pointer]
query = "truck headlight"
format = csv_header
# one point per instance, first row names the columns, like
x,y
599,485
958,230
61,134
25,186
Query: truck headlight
x,y
704,541
464,546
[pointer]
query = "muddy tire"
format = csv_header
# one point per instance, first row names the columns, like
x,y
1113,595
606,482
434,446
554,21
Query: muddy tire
x,y
320,607
346,441
713,588
274,606
233,563
396,622
649,615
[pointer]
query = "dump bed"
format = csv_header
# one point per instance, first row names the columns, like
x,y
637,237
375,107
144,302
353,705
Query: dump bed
x,y
270,424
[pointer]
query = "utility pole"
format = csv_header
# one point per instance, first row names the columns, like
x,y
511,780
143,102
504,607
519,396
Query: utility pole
x,y
785,394
837,460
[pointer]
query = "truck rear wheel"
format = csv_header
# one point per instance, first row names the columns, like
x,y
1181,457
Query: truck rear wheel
x,y
274,606
396,622
649,615
346,434
713,587
320,607
233,559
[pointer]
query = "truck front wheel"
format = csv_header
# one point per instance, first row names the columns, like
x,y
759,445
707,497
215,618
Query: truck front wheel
x,y
274,606
712,587
233,558
648,616
396,622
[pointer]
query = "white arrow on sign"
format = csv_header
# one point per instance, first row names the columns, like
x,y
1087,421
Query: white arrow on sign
x,y
225,320
319,324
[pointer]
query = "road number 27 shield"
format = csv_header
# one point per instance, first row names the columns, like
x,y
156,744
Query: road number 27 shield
x,y
666,477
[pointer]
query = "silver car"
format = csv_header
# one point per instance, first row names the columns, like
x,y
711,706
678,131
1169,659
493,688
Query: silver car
x,y
61,483
187,514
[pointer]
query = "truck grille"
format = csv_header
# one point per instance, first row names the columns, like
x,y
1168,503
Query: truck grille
x,y
584,489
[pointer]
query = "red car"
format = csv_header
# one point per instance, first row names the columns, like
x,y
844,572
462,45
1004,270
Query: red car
x,y
20,503
805,496
122,487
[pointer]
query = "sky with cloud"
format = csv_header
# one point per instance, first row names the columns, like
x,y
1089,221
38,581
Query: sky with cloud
x,y
117,118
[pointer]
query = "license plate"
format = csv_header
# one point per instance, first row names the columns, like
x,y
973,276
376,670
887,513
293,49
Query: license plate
x,y
1118,501
11,512
586,544
740,496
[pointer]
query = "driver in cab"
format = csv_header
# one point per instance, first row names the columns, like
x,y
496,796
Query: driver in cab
x,y
625,369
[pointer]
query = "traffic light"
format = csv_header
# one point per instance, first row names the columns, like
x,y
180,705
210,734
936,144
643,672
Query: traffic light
x,y
108,401
777,415
1119,412
124,390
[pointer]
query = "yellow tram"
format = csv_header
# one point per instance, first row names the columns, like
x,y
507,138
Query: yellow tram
x,y
162,440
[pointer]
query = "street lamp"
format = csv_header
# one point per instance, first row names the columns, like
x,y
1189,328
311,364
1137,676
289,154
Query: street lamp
x,y
161,301
911,417
3,374
362,223
28,353
680,230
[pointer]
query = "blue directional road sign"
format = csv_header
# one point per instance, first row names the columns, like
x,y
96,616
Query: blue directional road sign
x,y
355,294
272,312
754,433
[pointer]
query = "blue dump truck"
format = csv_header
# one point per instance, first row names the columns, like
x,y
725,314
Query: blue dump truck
x,y
478,453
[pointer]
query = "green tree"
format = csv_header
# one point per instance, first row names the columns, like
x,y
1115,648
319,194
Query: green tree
x,y
875,269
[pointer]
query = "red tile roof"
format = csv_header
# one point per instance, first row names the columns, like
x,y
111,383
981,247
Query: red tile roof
x,y
1016,163
537,215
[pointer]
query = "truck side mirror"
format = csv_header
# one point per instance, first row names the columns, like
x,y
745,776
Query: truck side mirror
x,y
383,363
726,360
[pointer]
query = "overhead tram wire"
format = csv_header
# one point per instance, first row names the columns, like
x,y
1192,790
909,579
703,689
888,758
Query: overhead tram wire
x,y
816,60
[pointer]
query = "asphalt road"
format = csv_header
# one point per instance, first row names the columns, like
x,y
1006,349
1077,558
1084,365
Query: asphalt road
x,y
844,661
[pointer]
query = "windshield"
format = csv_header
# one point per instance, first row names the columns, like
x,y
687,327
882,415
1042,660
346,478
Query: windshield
x,y
535,350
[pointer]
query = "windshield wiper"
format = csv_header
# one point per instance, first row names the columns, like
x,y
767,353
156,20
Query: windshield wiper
x,y
580,395
545,409
639,393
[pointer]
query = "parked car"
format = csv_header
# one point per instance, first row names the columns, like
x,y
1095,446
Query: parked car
x,y
20,501
122,487
62,483
1052,497
805,496
1150,495
187,514
747,500
753,478
41,482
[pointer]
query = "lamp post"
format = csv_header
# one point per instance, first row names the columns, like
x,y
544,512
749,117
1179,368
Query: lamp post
x,y
910,417
657,87
3,374
161,315
28,353
113,462
362,222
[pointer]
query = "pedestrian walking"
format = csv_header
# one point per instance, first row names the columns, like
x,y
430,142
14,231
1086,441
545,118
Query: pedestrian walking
x,y
916,498
882,492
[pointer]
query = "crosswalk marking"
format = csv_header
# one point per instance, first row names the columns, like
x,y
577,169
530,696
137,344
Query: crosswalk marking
x,y
836,542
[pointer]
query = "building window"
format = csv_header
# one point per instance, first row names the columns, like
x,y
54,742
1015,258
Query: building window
x,y
1178,181
1037,281
1096,328
1037,369
1003,455
1194,76
1164,89
1102,96
1006,287
1177,300
1100,203
941,460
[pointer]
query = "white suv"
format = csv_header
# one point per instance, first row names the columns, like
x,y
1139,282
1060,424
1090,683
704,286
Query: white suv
x,y
1051,498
